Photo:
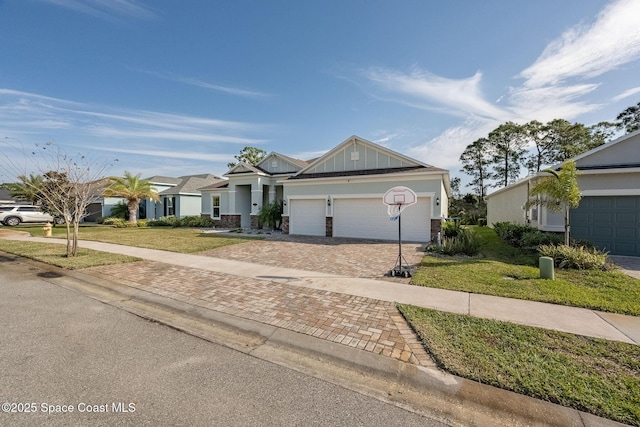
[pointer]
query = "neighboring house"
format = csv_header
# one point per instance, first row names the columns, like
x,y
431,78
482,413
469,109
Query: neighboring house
x,y
178,196
184,199
336,195
609,212
5,197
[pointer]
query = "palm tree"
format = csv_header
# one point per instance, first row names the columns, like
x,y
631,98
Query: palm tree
x,y
558,192
28,189
133,189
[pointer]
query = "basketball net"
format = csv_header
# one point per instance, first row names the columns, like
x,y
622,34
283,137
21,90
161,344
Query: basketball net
x,y
394,211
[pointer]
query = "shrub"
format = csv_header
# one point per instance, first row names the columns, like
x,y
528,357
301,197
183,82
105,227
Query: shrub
x,y
142,223
164,221
271,214
466,242
120,210
117,222
451,228
579,258
512,233
536,238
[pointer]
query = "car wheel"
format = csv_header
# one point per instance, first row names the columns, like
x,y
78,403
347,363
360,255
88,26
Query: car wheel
x,y
12,221
59,220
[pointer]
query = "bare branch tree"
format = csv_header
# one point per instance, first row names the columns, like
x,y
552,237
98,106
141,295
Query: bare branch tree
x,y
70,183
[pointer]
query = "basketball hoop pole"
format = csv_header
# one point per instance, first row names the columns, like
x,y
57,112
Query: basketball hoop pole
x,y
400,239
397,199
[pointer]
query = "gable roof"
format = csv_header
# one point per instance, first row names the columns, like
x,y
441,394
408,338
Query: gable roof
x,y
244,168
166,180
623,152
190,184
279,164
216,185
375,160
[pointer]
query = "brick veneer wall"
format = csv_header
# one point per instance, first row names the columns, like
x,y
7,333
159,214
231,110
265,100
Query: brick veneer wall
x,y
329,227
436,227
230,221
285,225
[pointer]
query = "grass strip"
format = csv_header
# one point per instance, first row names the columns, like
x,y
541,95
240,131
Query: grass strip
x,y
511,272
55,254
182,240
592,375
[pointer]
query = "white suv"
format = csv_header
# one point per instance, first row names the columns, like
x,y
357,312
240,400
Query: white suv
x,y
13,215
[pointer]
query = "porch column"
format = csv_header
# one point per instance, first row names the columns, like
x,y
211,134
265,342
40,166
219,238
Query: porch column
x,y
232,199
256,198
272,193
256,203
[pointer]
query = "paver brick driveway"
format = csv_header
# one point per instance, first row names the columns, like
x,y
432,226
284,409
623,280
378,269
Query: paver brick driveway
x,y
347,257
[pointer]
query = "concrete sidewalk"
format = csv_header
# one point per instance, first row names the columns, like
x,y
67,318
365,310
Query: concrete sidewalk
x,y
550,316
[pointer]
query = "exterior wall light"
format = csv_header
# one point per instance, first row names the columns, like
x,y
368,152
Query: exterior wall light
x,y
437,201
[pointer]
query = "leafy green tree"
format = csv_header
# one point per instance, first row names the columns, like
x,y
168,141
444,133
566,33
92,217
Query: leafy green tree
x,y
507,147
133,189
251,155
455,187
558,193
629,119
560,140
475,163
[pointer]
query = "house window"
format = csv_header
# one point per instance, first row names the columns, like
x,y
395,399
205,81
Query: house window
x,y
215,202
169,206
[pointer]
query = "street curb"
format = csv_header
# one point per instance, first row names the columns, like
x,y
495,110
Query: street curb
x,y
467,402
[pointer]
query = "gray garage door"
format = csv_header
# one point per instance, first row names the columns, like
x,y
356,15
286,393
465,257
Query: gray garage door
x,y
612,223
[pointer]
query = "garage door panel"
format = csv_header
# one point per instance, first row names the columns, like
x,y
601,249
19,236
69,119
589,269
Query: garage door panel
x,y
612,223
307,217
368,218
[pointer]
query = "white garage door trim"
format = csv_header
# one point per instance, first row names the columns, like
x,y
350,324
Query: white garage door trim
x,y
307,217
367,218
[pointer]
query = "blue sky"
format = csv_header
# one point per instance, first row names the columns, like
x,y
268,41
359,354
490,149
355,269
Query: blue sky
x,y
178,87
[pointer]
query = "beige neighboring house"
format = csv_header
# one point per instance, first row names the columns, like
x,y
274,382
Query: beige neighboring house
x,y
609,212
336,195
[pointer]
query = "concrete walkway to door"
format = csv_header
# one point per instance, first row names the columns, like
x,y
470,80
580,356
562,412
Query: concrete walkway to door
x,y
186,266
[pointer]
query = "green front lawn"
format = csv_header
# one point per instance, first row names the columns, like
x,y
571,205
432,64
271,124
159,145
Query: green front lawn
x,y
55,254
510,272
183,240
593,375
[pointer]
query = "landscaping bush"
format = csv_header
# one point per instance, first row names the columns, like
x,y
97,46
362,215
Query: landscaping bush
x,y
512,233
187,221
142,223
466,242
117,222
579,258
451,228
164,221
536,238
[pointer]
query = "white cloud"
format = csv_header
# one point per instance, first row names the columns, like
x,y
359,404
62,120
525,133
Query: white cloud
x,y
626,94
206,85
444,151
172,154
28,112
548,103
108,10
425,90
587,51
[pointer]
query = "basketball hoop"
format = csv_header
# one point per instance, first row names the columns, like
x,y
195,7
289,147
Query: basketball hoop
x,y
397,200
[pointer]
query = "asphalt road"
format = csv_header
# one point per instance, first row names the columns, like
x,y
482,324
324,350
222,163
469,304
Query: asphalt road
x,y
61,351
